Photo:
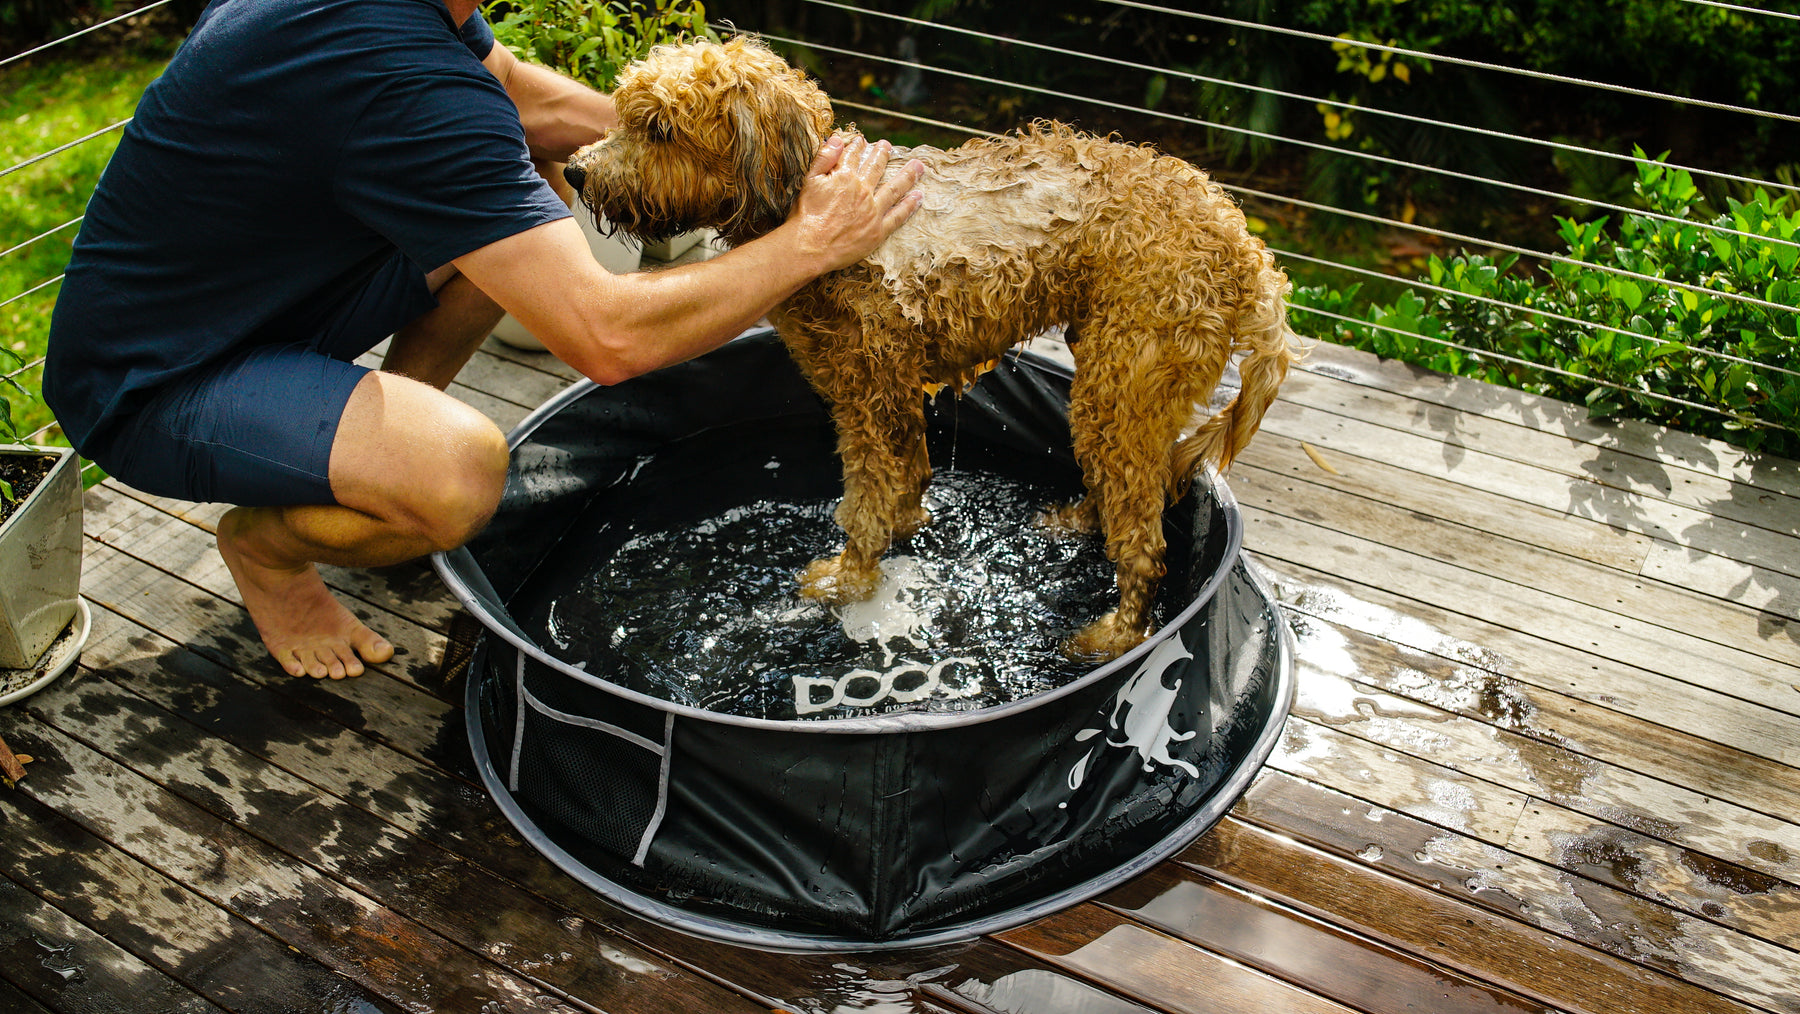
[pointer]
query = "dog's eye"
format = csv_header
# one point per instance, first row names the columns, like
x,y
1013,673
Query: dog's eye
x,y
658,132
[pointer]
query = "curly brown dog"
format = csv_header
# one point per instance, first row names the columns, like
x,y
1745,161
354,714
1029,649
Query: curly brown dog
x,y
1147,263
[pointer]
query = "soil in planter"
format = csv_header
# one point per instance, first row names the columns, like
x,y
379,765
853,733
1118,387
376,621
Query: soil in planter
x,y
22,472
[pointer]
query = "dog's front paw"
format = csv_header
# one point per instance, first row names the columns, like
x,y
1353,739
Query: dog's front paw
x,y
1070,519
1105,639
831,580
909,525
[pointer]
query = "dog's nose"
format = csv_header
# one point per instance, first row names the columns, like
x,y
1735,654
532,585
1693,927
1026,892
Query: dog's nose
x,y
576,177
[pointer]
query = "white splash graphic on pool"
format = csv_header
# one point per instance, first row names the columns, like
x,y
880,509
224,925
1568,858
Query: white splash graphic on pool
x,y
1139,719
900,610
897,609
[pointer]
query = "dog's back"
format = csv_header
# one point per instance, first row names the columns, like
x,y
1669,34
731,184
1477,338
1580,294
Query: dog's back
x,y
1050,227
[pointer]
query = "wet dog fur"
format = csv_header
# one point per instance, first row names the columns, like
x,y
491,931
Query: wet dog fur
x,y
1146,262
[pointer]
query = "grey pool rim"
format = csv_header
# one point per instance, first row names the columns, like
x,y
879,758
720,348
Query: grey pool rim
x,y
900,722
1225,795
1232,782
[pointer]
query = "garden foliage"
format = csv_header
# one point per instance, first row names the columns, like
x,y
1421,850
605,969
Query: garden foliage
x,y
9,431
590,41
1659,318
1670,46
9,388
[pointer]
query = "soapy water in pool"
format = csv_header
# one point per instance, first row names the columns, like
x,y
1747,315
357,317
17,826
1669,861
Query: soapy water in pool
x,y
970,612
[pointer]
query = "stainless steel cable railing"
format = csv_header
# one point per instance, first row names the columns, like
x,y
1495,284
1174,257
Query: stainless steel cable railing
x,y
1705,288
29,364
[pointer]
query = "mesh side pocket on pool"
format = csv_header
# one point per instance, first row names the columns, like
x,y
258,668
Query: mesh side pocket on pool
x,y
607,783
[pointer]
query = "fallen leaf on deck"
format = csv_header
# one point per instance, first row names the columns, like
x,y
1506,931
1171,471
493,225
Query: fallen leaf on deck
x,y
1318,459
12,768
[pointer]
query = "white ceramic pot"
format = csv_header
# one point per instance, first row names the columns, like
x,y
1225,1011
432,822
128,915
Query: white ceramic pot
x,y
673,247
40,560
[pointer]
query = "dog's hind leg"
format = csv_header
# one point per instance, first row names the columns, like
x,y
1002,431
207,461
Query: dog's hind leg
x,y
881,441
1126,409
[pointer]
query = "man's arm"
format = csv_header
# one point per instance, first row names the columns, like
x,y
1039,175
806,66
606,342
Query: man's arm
x,y
559,114
614,327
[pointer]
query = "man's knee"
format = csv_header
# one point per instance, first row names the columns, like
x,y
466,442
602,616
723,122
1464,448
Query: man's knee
x,y
452,509
418,459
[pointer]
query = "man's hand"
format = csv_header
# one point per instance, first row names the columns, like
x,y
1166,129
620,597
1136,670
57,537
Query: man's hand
x,y
845,210
611,327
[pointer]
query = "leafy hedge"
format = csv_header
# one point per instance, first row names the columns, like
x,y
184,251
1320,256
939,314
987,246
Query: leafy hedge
x,y
25,24
1658,324
1673,46
589,40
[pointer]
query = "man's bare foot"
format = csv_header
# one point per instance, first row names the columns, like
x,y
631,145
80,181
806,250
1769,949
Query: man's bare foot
x,y
308,631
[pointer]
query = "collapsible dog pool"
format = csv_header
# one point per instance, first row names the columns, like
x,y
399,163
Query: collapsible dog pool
x,y
784,796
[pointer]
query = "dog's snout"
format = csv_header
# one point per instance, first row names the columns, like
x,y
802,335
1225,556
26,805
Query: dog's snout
x,y
576,176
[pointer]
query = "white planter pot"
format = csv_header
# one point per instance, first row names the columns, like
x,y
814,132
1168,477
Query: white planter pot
x,y
40,560
618,253
675,246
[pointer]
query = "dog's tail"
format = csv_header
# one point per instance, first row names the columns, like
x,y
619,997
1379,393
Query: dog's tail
x,y
1269,347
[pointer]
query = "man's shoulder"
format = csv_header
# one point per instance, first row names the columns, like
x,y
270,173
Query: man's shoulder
x,y
389,33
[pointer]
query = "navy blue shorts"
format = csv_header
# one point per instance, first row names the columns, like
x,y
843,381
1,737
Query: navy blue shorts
x,y
256,428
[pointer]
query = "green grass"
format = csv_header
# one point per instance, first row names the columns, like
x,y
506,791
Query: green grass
x,y
44,105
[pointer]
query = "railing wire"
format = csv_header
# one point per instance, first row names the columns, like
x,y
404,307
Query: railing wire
x,y
59,149
1396,223
41,432
1743,10
1445,342
91,28
1660,343
46,234
1473,129
1539,75
1313,100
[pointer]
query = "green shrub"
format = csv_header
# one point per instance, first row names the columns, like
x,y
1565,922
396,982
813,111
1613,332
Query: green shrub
x,y
590,40
26,22
9,431
1672,46
1660,327
9,388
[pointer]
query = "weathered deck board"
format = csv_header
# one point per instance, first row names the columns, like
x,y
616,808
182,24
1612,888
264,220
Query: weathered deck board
x,y
1590,678
1671,448
1546,757
192,940
1513,884
1761,674
17,1001
353,847
1756,528
1476,942
1497,555
60,963
1158,969
1309,952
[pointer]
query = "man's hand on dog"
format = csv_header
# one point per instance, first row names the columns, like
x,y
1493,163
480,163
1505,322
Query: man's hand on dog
x,y
845,210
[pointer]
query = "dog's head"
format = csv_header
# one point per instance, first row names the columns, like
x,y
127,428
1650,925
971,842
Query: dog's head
x,y
710,135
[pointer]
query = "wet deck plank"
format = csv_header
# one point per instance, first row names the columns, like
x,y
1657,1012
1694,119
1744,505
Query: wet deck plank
x,y
1544,758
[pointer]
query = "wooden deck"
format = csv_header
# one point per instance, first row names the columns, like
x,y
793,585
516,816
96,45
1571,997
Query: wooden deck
x,y
1544,757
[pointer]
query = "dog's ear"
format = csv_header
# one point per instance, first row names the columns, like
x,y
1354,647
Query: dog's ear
x,y
776,145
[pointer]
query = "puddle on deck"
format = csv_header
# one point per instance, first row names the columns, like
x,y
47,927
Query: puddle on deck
x,y
1610,870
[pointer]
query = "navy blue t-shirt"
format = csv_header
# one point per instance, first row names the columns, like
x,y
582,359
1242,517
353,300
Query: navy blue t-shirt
x,y
290,149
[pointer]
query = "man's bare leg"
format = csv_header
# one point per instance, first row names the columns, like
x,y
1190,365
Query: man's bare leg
x,y
306,629
414,471
434,348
